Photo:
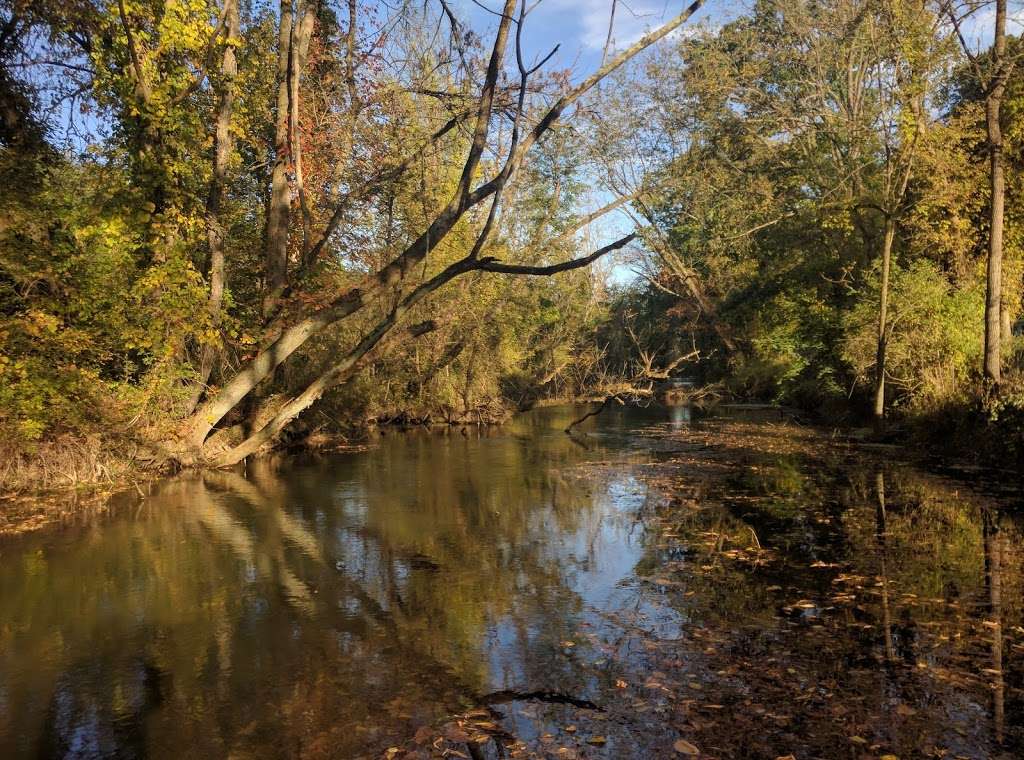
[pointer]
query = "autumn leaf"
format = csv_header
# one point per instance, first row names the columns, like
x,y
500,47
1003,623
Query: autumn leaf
x,y
684,747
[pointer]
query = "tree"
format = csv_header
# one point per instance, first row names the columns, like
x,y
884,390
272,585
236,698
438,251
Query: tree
x,y
465,197
992,76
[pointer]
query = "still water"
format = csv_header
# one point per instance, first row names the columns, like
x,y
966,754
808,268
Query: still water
x,y
332,607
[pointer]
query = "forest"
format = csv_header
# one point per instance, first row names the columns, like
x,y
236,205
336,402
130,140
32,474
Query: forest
x,y
511,379
232,226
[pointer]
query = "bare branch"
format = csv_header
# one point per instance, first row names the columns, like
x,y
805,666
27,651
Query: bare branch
x,y
493,265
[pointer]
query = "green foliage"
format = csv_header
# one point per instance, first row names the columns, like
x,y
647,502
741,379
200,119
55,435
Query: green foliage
x,y
933,340
794,132
789,351
90,333
763,159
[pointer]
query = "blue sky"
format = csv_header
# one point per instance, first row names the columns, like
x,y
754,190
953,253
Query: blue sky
x,y
581,26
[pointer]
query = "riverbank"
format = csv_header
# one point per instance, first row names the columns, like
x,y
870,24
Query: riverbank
x,y
61,479
803,596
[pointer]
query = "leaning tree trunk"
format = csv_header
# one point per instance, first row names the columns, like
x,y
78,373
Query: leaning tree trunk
x,y
883,319
344,368
195,429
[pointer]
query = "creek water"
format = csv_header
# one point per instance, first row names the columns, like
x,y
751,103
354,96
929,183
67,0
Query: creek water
x,y
756,602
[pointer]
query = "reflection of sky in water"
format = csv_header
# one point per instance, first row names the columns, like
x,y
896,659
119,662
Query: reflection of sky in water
x,y
598,561
349,599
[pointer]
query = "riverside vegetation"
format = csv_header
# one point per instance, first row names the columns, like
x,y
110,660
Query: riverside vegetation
x,y
232,226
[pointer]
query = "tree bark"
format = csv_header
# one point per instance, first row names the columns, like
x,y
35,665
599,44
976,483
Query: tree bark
x,y
883,319
302,33
223,144
994,275
278,208
337,373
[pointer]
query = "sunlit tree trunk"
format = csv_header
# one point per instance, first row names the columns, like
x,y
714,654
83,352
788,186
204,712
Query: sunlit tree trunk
x,y
302,32
883,319
997,186
222,146
278,208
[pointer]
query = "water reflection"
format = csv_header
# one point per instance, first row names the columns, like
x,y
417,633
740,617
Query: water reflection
x,y
329,608
994,542
319,609
878,616
680,415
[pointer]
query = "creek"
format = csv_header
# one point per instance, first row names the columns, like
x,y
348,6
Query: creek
x,y
742,586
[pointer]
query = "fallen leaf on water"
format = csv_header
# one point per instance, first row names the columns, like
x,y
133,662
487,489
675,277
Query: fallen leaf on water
x,y
598,740
889,757
455,734
423,735
620,684
684,747
570,729
858,740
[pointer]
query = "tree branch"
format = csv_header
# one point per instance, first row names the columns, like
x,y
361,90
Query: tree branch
x,y
493,265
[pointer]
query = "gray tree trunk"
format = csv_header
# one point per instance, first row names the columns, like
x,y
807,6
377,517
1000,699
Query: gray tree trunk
x,y
279,207
994,276
223,143
883,319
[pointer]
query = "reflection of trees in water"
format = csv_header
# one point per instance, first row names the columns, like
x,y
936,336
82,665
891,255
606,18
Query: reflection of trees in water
x,y
910,585
995,549
311,609
100,707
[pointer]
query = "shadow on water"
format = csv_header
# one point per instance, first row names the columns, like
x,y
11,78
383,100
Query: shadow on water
x,y
756,602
